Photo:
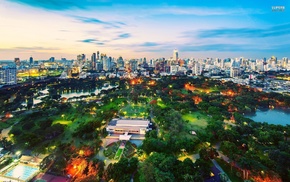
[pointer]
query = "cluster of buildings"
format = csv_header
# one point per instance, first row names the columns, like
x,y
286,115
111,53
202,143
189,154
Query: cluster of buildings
x,y
100,62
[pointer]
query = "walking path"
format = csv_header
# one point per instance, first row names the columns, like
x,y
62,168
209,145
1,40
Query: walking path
x,y
217,166
223,176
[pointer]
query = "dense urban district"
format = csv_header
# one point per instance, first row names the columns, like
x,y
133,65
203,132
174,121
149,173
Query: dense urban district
x,y
171,128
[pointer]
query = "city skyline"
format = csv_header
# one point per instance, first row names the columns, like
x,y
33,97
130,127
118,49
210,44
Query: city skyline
x,y
66,28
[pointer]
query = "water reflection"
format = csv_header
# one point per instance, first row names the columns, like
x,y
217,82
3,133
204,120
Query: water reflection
x,y
272,116
74,94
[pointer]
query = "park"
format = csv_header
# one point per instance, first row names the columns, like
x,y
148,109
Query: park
x,y
189,120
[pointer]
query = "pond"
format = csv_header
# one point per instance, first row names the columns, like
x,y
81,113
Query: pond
x,y
271,116
75,94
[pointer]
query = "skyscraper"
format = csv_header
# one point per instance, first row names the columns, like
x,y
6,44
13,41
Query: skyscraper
x,y
98,55
52,59
273,60
107,63
93,59
81,58
175,55
120,62
197,69
17,61
133,65
31,60
284,62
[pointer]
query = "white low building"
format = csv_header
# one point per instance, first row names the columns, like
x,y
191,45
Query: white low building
x,y
132,126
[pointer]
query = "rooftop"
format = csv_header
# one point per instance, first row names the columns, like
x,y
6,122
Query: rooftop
x,y
128,122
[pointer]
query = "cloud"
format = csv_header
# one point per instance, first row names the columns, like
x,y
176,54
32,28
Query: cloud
x,y
60,5
124,35
29,49
93,41
36,48
215,47
233,48
53,4
109,24
273,31
157,7
149,44
89,40
202,11
100,43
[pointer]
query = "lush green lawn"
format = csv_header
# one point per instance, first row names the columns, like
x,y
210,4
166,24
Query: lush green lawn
x,y
118,154
196,119
134,110
232,174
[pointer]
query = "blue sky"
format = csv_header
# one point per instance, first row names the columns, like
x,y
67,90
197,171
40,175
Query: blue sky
x,y
152,29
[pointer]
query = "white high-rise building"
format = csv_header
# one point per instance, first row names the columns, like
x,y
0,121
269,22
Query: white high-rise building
x,y
8,75
197,69
173,69
234,72
284,62
107,63
175,55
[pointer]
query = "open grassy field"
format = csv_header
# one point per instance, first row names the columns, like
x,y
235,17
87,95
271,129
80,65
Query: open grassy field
x,y
135,110
196,119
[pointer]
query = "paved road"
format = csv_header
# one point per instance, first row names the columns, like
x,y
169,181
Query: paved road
x,y
217,166
221,171
217,147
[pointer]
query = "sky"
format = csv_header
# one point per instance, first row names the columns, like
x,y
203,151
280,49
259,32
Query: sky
x,y
144,28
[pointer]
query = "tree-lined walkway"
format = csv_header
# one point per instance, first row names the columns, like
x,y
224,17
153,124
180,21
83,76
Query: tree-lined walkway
x,y
223,176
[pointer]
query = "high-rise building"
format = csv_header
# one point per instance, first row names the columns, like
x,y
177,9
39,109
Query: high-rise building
x,y
81,58
273,60
284,62
17,61
94,60
133,65
8,75
99,66
175,55
234,72
173,69
107,63
120,62
235,69
98,55
31,60
52,59
197,69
